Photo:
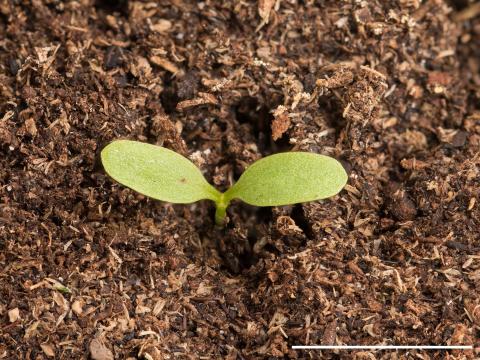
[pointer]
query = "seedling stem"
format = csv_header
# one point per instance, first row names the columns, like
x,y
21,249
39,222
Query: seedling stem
x,y
221,210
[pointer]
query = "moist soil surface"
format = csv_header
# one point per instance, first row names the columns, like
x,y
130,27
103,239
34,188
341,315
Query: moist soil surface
x,y
92,270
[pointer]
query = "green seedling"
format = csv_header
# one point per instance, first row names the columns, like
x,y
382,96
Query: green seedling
x,y
280,179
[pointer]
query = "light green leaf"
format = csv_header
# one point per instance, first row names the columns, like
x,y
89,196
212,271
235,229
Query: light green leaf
x,y
156,172
289,178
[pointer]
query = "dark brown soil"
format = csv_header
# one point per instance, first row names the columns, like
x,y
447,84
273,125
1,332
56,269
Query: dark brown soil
x,y
90,269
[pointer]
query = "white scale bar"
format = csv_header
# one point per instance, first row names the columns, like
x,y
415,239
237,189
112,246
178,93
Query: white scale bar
x,y
383,347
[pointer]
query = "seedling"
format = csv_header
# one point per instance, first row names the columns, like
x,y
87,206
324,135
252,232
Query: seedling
x,y
280,179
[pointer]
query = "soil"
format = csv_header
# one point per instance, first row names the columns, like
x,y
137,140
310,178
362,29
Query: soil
x,y
90,269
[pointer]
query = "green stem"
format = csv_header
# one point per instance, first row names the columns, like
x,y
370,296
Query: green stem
x,y
221,210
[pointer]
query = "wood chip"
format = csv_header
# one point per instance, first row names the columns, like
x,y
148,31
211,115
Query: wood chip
x,y
330,334
264,9
77,307
161,26
165,64
13,315
159,305
31,127
141,68
413,164
280,125
203,99
98,351
355,268
48,350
